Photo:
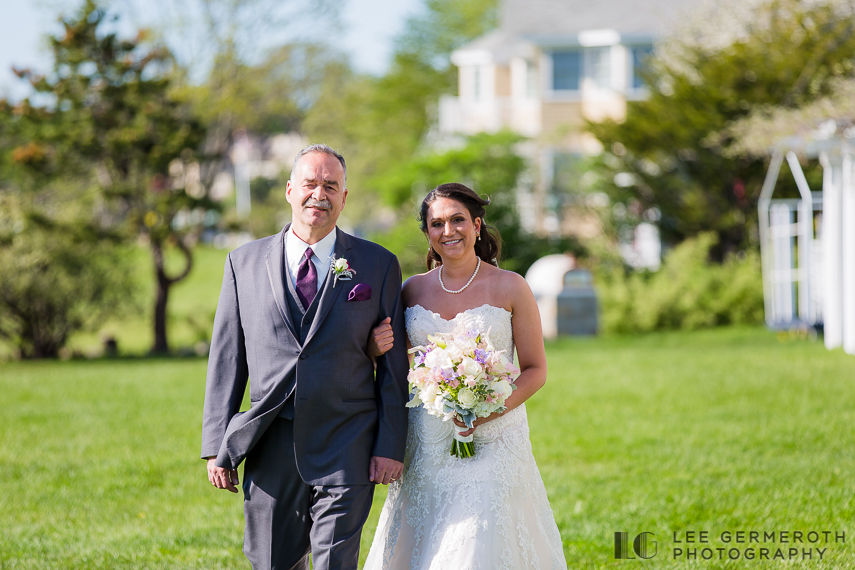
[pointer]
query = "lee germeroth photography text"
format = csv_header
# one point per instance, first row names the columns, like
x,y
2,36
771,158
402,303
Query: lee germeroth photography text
x,y
792,545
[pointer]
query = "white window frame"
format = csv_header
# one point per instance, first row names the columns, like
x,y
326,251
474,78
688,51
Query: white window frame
x,y
587,83
632,91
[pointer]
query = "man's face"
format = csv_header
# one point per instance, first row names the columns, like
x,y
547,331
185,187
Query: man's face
x,y
317,194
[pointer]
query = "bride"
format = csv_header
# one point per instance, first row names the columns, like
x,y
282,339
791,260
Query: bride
x,y
489,511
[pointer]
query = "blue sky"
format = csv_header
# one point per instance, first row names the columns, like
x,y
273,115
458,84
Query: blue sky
x,y
370,26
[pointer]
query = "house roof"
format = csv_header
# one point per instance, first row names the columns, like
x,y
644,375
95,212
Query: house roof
x,y
565,23
543,18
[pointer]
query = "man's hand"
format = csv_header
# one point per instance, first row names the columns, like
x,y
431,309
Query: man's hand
x,y
222,478
383,470
381,339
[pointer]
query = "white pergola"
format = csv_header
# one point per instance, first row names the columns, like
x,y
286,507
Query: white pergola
x,y
808,244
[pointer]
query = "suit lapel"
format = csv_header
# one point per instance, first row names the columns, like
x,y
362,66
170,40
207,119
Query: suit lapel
x,y
330,291
276,273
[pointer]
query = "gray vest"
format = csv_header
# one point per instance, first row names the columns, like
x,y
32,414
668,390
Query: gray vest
x,y
302,320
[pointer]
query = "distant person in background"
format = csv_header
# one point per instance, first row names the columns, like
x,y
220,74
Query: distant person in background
x,y
294,318
488,511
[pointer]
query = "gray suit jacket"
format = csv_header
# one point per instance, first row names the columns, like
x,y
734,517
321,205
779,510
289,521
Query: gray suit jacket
x,y
343,414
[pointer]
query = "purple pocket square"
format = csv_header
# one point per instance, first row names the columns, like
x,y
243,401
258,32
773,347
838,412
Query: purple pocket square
x,y
361,292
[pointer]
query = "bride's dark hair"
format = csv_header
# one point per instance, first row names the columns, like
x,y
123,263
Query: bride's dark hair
x,y
489,247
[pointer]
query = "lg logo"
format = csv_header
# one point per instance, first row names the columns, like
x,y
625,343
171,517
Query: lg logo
x,y
640,546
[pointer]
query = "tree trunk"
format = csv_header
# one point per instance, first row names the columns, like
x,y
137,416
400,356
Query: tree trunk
x,y
161,344
40,333
164,283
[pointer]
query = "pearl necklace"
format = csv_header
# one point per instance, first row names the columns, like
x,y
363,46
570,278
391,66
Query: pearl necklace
x,y
441,284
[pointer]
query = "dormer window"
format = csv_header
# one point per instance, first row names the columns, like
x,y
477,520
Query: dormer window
x,y
640,55
573,67
566,70
598,66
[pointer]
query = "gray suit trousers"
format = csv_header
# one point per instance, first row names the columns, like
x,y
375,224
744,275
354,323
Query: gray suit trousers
x,y
286,518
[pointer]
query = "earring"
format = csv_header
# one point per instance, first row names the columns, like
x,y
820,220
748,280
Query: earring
x,y
479,237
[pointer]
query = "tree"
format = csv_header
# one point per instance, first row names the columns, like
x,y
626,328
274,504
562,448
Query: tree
x,y
113,110
764,128
669,153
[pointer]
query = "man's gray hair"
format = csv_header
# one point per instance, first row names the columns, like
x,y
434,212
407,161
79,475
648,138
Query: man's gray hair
x,y
319,148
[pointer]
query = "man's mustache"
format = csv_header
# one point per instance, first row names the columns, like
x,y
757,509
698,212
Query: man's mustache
x,y
321,204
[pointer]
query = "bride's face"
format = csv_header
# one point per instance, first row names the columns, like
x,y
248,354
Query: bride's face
x,y
451,231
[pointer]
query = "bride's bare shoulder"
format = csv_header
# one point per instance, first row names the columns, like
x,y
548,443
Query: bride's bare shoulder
x,y
507,278
513,286
414,287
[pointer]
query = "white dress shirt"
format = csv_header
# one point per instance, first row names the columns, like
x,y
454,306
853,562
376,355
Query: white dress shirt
x,y
322,251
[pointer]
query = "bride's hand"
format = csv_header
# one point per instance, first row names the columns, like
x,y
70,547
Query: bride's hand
x,y
381,339
476,423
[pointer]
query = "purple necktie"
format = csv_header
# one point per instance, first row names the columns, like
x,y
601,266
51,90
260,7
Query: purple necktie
x,y
307,280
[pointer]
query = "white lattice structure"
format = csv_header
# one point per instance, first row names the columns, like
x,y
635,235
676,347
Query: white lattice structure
x,y
808,244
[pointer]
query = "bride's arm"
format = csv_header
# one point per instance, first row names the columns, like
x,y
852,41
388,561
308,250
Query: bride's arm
x,y
381,338
528,337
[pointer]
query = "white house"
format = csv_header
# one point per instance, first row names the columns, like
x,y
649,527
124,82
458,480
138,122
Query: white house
x,y
550,65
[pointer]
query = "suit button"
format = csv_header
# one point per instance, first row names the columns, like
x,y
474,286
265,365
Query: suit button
x,y
302,357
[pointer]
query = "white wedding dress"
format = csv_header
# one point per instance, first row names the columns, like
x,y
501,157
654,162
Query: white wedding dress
x,y
488,512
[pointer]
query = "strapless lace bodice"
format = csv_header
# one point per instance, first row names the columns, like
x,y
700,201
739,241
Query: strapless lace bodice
x,y
487,512
486,318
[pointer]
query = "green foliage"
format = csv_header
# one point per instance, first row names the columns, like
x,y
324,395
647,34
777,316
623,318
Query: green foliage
x,y
688,292
407,242
788,55
487,163
270,209
60,275
765,127
267,98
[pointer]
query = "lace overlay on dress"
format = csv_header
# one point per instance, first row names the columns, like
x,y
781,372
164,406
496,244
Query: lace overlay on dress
x,y
487,512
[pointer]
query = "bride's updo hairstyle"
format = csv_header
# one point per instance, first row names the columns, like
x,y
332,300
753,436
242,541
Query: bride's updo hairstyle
x,y
489,247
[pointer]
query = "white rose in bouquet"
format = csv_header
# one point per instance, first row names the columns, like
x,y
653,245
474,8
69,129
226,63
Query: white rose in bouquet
x,y
438,358
501,389
470,367
454,352
467,398
429,393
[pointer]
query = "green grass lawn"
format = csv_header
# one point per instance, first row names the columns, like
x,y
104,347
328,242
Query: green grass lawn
x,y
714,431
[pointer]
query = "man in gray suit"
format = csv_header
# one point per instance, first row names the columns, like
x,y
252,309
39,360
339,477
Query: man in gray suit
x,y
323,426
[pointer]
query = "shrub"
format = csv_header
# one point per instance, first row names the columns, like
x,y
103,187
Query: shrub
x,y
689,292
57,277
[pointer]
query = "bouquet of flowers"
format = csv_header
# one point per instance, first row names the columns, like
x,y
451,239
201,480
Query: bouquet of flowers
x,y
461,375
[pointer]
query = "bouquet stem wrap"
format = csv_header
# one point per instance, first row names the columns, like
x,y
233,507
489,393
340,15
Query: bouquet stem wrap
x,y
462,445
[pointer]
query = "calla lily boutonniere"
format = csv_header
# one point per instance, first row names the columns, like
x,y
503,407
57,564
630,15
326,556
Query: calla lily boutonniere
x,y
341,270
